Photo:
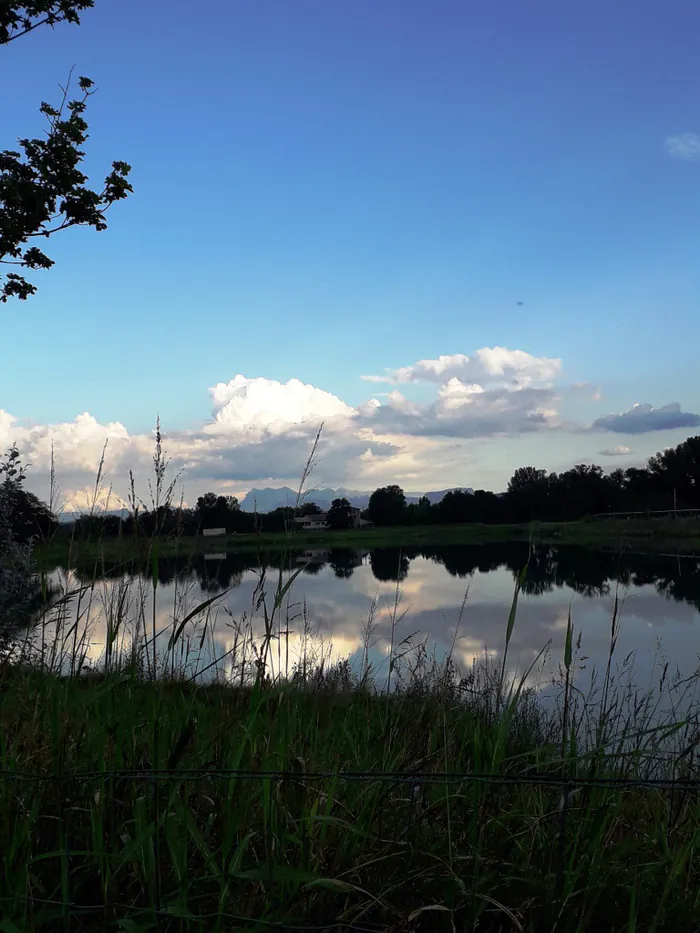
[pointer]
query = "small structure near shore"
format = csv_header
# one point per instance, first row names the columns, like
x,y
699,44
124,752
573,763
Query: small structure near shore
x,y
319,521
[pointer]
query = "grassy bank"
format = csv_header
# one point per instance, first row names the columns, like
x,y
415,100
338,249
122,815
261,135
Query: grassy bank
x,y
296,845
652,533
135,795
404,536
622,535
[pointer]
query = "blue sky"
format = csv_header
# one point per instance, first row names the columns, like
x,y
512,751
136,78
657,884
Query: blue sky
x,y
330,190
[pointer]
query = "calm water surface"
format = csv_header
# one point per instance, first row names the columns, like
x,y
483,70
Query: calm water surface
x,y
422,590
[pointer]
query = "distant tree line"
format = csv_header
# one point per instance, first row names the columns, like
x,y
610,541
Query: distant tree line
x,y
670,479
211,511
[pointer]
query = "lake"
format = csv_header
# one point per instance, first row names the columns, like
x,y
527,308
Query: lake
x,y
347,603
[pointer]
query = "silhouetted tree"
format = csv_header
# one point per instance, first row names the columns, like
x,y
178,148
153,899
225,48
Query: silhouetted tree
x,y
25,514
222,512
281,519
583,490
677,471
387,506
456,506
420,513
340,515
343,562
94,527
22,517
528,494
389,564
637,492
487,507
18,17
42,187
310,508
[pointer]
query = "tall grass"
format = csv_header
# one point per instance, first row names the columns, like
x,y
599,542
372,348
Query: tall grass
x,y
160,782
474,809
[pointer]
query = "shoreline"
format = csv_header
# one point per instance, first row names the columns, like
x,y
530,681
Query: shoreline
x,y
655,535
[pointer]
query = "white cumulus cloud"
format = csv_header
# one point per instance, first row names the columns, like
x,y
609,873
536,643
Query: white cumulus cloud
x,y
469,411
261,430
486,366
454,394
260,403
78,444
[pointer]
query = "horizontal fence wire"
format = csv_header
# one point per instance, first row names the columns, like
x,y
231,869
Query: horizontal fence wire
x,y
70,910
393,777
165,914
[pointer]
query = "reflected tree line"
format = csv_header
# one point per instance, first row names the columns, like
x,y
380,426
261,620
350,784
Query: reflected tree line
x,y
589,573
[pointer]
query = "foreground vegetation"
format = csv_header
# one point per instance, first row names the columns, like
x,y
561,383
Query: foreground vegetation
x,y
146,788
196,849
199,851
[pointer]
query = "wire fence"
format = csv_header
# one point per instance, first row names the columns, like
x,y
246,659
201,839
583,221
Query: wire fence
x,y
240,919
394,777
65,912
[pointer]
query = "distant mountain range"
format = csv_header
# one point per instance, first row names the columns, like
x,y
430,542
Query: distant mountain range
x,y
269,498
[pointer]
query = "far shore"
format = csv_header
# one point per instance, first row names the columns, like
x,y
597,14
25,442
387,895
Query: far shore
x,y
638,534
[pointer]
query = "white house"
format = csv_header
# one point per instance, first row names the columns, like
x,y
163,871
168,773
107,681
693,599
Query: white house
x,y
319,522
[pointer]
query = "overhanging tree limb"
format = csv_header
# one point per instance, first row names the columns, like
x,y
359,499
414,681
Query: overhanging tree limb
x,y
43,190
19,17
